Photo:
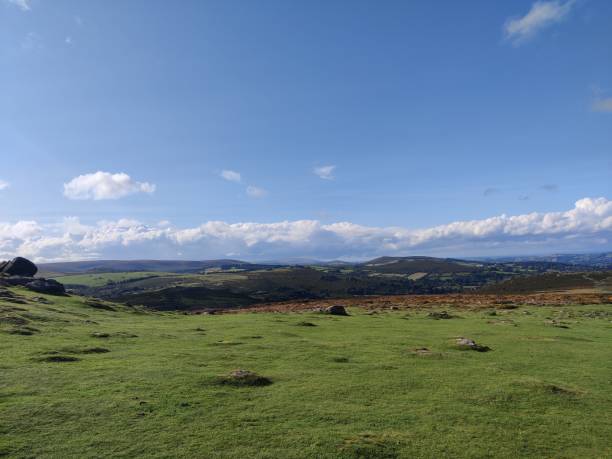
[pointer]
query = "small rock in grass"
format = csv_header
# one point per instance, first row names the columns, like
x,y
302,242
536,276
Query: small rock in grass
x,y
100,335
439,315
421,351
336,310
469,344
245,378
556,323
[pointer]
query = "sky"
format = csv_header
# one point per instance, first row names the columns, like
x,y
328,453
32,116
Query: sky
x,y
270,129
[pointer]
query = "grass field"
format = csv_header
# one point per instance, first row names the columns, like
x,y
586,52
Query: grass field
x,y
101,279
92,382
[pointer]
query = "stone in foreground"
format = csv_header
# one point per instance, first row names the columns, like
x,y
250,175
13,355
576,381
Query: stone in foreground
x,y
47,286
336,310
471,345
245,378
19,266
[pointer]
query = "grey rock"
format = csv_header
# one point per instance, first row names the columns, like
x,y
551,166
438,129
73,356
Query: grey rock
x,y
19,266
470,344
336,310
48,286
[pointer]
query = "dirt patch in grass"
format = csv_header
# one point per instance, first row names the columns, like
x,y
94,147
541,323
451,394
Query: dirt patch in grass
x,y
550,388
226,343
560,390
424,352
58,358
94,350
244,378
113,335
13,320
370,445
24,331
304,323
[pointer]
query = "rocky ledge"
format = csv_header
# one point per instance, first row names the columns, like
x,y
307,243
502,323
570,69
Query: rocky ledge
x,y
21,271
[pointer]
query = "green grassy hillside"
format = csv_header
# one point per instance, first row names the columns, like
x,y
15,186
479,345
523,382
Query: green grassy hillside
x,y
82,378
550,282
411,265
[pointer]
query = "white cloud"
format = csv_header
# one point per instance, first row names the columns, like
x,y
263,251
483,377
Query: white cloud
x,y
4,185
24,5
602,104
542,14
587,226
325,172
256,192
231,176
104,185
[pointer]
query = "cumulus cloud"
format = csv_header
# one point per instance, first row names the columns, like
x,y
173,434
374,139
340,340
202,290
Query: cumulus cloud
x,y
255,192
325,172
4,185
542,14
587,226
231,176
104,185
24,5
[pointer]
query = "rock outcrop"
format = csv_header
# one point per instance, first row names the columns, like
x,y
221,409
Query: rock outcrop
x,y
20,271
18,266
47,286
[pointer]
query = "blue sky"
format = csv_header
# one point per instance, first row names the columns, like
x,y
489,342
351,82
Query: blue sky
x,y
386,115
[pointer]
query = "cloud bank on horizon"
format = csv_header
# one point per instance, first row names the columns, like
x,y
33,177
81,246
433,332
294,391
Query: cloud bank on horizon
x,y
587,226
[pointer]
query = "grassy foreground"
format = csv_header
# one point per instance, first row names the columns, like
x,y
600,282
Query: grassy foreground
x,y
345,387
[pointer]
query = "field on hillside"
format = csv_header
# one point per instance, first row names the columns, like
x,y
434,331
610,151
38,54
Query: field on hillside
x,y
228,286
103,279
82,378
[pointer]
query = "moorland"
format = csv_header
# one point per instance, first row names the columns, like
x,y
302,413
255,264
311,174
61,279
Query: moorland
x,y
505,359
92,378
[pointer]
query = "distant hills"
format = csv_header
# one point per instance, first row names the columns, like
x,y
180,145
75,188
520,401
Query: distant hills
x,y
412,265
167,266
386,264
595,260
229,283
